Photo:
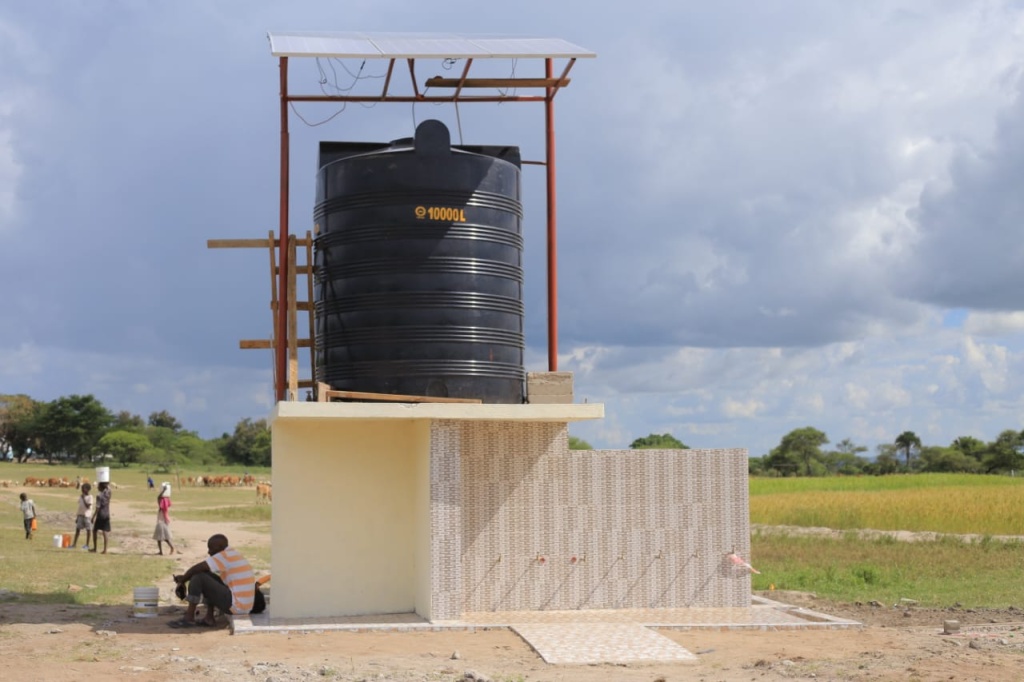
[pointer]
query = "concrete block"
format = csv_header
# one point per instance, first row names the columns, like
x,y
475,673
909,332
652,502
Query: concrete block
x,y
549,383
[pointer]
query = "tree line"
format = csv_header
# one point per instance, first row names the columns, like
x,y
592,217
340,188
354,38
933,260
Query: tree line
x,y
802,452
79,429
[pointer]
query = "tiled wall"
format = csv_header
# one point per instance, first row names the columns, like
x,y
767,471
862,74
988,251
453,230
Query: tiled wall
x,y
545,527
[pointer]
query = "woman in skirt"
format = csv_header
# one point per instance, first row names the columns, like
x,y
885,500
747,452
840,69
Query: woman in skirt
x,y
162,533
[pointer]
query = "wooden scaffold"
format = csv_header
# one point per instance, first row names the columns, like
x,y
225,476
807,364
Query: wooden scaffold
x,y
294,270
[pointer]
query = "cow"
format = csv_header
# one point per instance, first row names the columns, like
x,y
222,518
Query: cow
x,y
264,493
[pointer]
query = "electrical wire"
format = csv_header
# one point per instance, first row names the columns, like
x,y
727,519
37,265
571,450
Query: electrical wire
x,y
320,123
511,75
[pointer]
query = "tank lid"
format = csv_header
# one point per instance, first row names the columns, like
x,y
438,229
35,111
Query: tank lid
x,y
433,138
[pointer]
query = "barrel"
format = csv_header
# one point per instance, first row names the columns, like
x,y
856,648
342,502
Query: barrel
x,y
418,271
147,602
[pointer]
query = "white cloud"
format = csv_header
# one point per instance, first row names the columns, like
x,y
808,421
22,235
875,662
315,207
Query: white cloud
x,y
994,324
741,408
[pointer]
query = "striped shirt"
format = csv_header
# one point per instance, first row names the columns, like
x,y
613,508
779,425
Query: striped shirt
x,y
235,571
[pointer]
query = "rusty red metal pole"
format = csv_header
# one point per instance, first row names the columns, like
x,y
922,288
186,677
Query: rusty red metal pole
x,y
549,123
280,349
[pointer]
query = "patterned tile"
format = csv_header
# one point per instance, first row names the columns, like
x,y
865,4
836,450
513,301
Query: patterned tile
x,y
590,643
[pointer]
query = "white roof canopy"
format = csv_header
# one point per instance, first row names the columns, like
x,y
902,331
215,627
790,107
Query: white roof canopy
x,y
360,45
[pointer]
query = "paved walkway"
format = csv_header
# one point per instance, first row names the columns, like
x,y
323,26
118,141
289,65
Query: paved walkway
x,y
578,637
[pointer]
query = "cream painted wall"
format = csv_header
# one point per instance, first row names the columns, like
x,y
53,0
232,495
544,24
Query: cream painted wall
x,y
345,534
424,552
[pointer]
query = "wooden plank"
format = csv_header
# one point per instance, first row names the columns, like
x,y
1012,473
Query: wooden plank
x,y
304,306
237,243
268,344
299,270
250,243
321,391
439,82
396,398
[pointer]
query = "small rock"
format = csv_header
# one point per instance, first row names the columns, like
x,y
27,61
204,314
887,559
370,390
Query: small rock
x,y
1004,641
54,631
786,661
974,644
907,614
874,603
106,633
455,655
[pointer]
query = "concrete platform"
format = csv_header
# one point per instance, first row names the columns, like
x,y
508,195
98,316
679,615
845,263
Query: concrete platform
x,y
593,636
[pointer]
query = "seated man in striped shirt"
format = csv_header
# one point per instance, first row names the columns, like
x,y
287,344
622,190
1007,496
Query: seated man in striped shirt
x,y
224,580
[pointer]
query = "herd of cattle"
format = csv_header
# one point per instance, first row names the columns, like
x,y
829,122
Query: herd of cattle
x,y
264,493
52,482
218,481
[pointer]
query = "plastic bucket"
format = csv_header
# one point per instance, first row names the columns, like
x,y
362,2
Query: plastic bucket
x,y
65,540
58,540
147,602
103,474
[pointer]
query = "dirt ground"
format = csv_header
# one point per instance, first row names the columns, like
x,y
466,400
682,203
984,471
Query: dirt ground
x,y
58,643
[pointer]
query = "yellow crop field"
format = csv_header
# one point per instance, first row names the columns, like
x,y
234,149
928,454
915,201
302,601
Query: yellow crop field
x,y
962,504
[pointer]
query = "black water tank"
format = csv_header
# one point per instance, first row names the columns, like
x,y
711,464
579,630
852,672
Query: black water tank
x,y
418,264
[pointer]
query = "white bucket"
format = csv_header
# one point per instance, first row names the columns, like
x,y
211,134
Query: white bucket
x,y
58,540
103,474
147,602
166,485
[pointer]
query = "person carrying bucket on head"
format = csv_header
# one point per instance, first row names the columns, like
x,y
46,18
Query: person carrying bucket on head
x,y
85,502
162,533
101,517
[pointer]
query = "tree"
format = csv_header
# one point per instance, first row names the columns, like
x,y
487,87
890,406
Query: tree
x,y
579,444
72,426
970,446
909,443
799,446
164,419
125,446
664,441
249,444
845,459
1004,453
887,461
19,428
950,460
126,421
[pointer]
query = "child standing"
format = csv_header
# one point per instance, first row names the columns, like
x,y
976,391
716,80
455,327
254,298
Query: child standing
x,y
28,510
82,517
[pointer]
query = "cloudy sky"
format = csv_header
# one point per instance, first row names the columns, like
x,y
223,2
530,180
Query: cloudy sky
x,y
771,215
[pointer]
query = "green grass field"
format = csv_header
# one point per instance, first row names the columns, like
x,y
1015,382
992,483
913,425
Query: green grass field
x,y
937,573
934,573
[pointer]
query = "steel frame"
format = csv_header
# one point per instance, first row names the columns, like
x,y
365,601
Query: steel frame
x,y
550,86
